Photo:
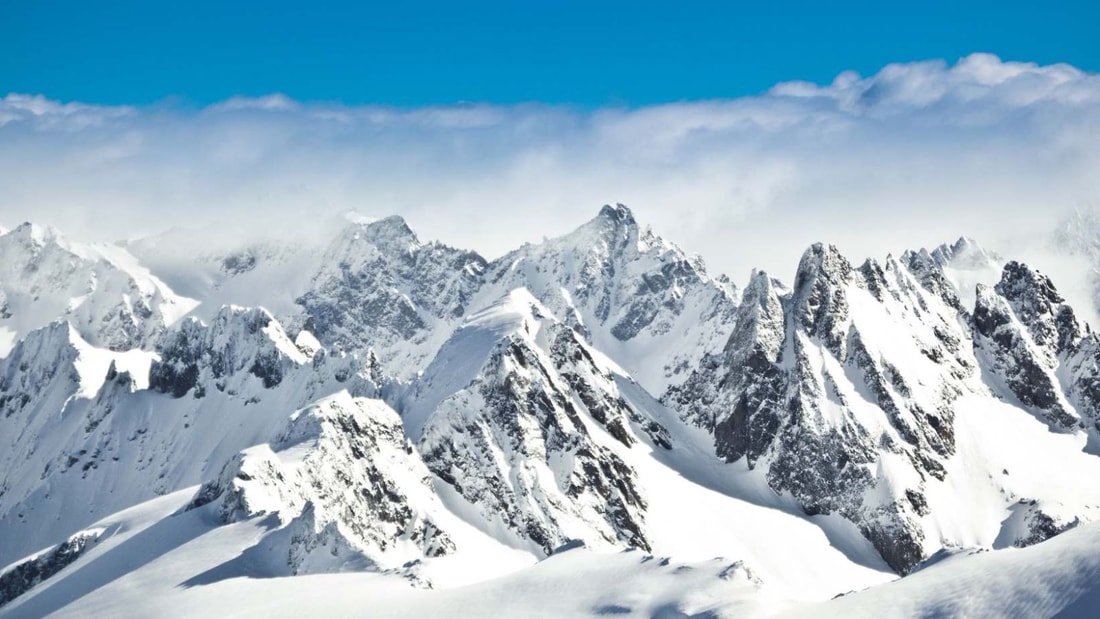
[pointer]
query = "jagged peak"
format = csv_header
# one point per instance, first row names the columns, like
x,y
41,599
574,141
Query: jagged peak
x,y
232,319
1038,305
619,214
613,235
821,259
241,312
227,319
613,225
1018,279
760,310
239,340
761,292
759,286
35,237
390,229
964,243
820,251
59,334
392,236
819,305
892,263
872,264
35,233
388,234
963,253
515,318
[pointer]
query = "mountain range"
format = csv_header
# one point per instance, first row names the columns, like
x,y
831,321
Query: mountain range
x,y
590,425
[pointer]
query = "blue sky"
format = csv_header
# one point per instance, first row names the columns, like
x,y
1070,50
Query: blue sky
x,y
580,53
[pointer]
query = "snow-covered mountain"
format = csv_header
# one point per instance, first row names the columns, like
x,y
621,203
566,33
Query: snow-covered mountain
x,y
380,288
216,268
500,416
597,411
343,480
102,290
857,392
633,295
1078,236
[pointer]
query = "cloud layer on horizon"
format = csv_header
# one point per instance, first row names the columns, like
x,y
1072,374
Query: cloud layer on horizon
x,y
916,154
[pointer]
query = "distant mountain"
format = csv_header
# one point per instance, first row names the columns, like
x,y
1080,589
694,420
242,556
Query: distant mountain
x,y
379,287
633,294
110,299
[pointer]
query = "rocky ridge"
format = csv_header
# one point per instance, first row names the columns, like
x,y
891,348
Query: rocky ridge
x,y
416,391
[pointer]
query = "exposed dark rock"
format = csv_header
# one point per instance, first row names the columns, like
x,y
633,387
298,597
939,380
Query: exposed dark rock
x,y
526,417
238,263
237,341
21,577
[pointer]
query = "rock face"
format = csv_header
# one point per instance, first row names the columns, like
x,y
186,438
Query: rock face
x,y
380,287
196,354
342,477
753,354
1029,339
629,292
48,374
111,301
246,350
506,415
842,390
23,576
43,363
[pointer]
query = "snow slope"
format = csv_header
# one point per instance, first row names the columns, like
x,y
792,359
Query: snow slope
x,y
155,560
1058,578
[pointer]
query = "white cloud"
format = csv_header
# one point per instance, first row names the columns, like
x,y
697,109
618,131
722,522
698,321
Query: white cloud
x,y
275,102
47,114
916,154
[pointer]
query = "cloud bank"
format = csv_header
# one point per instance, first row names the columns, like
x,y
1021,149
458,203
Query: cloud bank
x,y
916,154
